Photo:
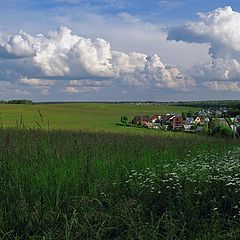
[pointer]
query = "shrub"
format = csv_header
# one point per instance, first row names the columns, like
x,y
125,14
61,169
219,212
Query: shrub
x,y
184,115
124,119
229,121
205,129
194,126
226,131
120,124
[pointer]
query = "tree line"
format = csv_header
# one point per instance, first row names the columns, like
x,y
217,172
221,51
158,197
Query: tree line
x,y
16,101
216,104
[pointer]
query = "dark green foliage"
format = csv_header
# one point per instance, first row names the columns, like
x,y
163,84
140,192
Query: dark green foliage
x,y
229,121
17,101
76,185
190,114
226,131
194,126
234,104
220,130
205,129
184,115
124,119
215,123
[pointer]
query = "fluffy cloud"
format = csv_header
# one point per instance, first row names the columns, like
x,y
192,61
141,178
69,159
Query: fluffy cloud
x,y
166,76
65,54
140,70
223,85
61,53
128,63
38,60
218,69
220,29
20,45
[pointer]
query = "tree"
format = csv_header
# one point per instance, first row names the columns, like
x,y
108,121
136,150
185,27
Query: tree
x,y
20,101
184,115
190,114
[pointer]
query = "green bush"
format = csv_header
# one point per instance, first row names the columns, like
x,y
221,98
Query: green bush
x,y
124,119
226,131
229,121
120,124
205,129
194,126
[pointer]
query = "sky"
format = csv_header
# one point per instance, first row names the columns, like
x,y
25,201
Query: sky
x,y
112,50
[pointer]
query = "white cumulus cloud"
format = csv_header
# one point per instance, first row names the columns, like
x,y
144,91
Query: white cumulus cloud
x,y
65,54
20,45
141,70
223,85
38,61
220,29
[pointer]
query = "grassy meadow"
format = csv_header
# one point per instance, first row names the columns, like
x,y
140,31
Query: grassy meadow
x,y
80,116
113,182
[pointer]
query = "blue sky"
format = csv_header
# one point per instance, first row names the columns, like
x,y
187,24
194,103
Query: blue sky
x,y
170,62
171,11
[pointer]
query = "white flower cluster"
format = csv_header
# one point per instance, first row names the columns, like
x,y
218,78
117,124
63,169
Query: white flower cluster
x,y
200,175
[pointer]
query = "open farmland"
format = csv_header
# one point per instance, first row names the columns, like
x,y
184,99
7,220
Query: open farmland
x,y
113,182
80,116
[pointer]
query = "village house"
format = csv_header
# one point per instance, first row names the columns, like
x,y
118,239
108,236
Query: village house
x,y
139,120
173,121
234,128
148,125
197,120
188,127
202,113
156,119
206,120
177,122
237,119
165,120
189,121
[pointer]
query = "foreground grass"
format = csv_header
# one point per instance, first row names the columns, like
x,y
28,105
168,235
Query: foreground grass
x,y
82,185
80,116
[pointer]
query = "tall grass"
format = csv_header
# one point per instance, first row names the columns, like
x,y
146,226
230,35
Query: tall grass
x,y
81,185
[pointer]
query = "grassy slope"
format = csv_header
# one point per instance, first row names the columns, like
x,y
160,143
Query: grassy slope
x,y
81,185
85,116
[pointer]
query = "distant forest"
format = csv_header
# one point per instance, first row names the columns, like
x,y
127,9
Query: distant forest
x,y
17,101
216,104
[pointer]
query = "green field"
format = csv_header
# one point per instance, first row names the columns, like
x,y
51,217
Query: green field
x,y
80,116
113,182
